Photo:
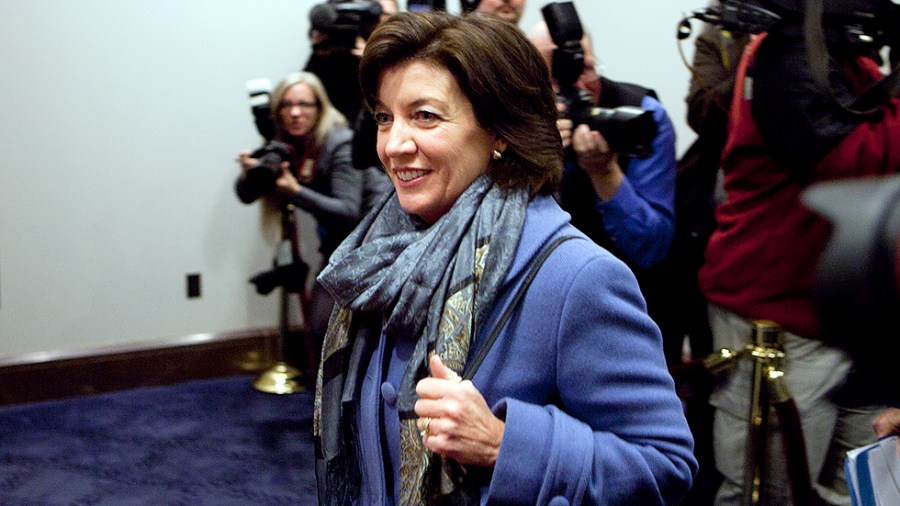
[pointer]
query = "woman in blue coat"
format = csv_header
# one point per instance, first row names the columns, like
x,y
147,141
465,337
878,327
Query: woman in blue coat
x,y
570,402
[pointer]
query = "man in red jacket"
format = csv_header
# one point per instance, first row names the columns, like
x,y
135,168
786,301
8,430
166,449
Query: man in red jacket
x,y
784,135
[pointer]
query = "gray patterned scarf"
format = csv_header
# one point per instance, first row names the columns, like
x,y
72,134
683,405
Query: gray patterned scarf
x,y
432,282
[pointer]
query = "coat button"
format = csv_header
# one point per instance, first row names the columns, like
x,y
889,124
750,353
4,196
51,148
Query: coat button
x,y
389,394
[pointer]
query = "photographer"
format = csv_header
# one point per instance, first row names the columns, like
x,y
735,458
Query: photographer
x,y
717,53
785,133
338,32
314,171
623,202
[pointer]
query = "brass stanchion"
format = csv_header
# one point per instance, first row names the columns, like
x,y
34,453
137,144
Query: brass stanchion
x,y
282,378
768,390
766,350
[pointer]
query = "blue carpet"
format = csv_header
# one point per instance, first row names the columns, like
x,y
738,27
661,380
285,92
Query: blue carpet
x,y
211,442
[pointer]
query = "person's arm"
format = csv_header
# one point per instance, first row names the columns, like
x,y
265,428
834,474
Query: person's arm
x,y
342,207
640,217
245,193
617,434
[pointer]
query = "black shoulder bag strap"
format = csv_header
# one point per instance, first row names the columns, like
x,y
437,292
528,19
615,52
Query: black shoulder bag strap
x,y
475,363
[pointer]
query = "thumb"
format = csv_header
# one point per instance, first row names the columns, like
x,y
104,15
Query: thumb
x,y
441,371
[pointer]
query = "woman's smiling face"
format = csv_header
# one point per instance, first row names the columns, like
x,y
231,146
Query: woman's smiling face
x,y
429,141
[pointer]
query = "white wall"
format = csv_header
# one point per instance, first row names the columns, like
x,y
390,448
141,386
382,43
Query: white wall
x,y
119,125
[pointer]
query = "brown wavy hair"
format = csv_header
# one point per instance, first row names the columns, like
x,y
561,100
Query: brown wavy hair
x,y
501,73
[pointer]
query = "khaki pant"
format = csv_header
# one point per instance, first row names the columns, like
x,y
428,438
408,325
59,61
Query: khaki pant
x,y
813,371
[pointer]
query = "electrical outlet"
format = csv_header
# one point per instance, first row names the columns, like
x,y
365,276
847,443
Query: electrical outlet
x,y
193,285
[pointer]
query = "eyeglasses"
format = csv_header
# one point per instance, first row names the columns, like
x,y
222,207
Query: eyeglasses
x,y
303,105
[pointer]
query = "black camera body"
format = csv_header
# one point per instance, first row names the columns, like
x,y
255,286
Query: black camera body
x,y
866,24
857,282
629,130
858,275
828,27
291,276
262,176
342,21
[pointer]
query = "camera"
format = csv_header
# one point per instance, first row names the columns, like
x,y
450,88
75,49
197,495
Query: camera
x,y
342,21
859,27
291,276
864,24
288,271
857,282
629,130
262,176
858,276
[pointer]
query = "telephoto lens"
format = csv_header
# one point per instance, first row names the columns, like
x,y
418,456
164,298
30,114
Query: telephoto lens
x,y
629,130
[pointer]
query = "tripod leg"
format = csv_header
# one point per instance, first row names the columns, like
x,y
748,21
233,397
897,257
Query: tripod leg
x,y
310,347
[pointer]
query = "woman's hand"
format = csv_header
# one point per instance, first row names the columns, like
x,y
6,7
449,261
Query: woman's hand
x,y
287,184
455,419
246,162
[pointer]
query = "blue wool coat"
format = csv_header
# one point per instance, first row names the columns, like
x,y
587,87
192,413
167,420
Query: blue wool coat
x,y
579,377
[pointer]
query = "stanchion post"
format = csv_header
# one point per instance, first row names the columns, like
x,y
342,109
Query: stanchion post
x,y
766,350
282,378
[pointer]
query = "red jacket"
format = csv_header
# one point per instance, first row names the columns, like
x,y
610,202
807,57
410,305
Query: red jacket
x,y
760,262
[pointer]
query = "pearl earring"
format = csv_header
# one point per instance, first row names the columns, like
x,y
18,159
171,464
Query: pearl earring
x,y
496,155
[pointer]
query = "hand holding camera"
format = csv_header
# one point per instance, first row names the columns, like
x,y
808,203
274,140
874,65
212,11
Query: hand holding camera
x,y
597,160
264,169
268,176
592,151
628,130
